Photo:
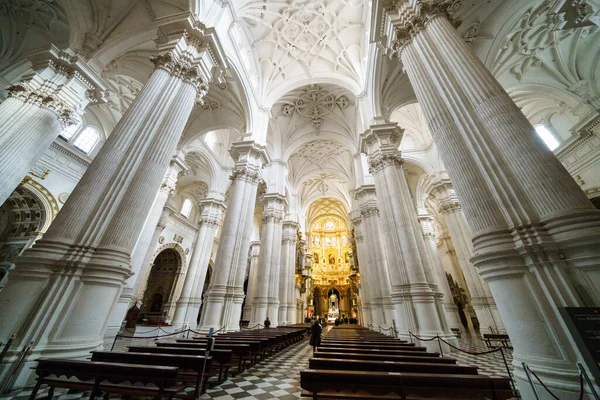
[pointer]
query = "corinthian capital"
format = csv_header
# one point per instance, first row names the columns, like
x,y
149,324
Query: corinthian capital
x,y
45,98
403,20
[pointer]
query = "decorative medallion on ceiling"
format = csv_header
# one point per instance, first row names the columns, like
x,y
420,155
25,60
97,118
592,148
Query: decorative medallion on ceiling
x,y
314,103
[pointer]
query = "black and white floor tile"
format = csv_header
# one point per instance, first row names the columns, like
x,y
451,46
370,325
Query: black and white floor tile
x,y
278,377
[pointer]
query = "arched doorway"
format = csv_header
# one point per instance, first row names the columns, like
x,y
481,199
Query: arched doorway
x,y
160,287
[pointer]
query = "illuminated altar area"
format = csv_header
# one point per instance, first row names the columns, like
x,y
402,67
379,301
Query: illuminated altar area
x,y
334,279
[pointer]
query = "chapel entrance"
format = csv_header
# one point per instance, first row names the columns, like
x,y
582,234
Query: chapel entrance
x,y
160,288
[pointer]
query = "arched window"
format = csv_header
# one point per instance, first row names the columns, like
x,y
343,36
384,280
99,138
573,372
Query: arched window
x,y
547,137
70,131
87,139
186,208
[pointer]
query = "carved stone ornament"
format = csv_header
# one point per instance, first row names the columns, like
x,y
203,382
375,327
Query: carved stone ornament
x,y
369,211
24,92
378,163
275,216
211,221
449,207
161,239
183,69
246,174
416,22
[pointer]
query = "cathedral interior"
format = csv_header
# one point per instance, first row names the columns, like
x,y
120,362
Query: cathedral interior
x,y
415,170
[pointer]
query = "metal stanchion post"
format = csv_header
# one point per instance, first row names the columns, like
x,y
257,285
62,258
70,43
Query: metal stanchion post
x,y
535,392
583,373
440,346
508,370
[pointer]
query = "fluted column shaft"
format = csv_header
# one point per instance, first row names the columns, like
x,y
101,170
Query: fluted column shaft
x,y
188,305
450,309
481,297
252,278
37,110
225,295
536,235
266,292
410,270
363,261
287,308
75,274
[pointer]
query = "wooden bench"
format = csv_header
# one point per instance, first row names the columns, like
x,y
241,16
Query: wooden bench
x,y
223,358
383,357
326,384
418,353
502,339
185,363
257,347
105,377
389,366
241,351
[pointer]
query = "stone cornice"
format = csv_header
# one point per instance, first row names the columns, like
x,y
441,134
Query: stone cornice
x,y
70,153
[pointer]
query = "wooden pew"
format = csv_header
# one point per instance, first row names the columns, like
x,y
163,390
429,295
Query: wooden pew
x,y
418,352
257,347
105,377
223,358
185,363
383,357
241,351
389,366
326,384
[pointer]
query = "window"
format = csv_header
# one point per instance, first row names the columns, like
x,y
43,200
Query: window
x,y
70,131
329,226
547,137
87,139
186,208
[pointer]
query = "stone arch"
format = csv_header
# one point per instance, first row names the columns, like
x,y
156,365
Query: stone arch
x,y
164,283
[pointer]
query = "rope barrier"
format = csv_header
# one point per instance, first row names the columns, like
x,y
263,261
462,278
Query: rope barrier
x,y
529,370
254,327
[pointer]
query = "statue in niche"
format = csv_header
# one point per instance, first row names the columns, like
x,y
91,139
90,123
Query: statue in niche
x,y
331,259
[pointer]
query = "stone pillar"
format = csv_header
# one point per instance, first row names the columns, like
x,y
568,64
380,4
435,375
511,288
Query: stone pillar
x,y
362,253
481,297
38,108
450,309
62,291
252,278
536,235
287,285
127,297
410,271
266,294
225,295
188,305
383,312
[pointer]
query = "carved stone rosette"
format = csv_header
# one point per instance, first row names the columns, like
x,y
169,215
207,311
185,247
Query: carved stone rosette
x,y
24,92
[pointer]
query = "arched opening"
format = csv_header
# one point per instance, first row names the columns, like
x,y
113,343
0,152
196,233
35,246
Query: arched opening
x,y
21,218
160,287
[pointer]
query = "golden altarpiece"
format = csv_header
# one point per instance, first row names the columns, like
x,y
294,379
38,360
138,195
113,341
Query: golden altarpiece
x,y
334,275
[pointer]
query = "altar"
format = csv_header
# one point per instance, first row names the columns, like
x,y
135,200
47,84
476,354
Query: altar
x,y
334,310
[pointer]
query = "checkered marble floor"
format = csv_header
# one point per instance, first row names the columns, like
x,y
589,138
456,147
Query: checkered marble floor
x,y
278,377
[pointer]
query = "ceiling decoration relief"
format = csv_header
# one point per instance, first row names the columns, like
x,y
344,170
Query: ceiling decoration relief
x,y
27,25
315,103
304,37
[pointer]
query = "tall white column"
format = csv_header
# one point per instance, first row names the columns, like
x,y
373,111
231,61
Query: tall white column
x,y
536,235
287,286
252,278
62,291
188,305
126,298
383,311
481,297
410,271
225,295
363,260
266,294
38,108
450,309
